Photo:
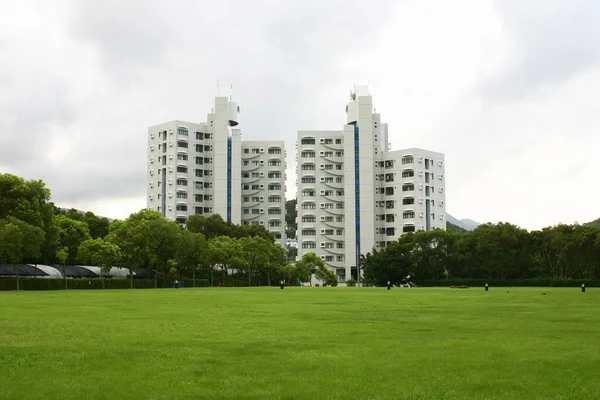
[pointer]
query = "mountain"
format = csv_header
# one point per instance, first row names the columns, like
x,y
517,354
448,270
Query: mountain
x,y
467,224
595,223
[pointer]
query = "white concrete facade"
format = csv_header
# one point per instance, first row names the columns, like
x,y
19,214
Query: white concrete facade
x,y
197,168
355,195
263,186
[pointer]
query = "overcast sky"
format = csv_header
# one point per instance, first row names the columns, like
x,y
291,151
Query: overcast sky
x,y
509,90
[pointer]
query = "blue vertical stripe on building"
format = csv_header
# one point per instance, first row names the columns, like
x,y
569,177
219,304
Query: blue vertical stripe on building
x,y
357,196
229,179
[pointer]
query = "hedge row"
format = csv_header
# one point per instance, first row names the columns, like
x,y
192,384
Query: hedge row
x,y
95,283
532,282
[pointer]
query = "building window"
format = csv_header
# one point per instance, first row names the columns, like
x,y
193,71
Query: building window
x,y
181,207
182,169
408,187
309,218
307,140
308,193
408,228
181,195
274,199
182,131
307,154
309,245
309,232
408,214
274,211
307,167
308,179
407,160
274,174
274,150
274,163
309,206
182,144
181,156
274,186
407,173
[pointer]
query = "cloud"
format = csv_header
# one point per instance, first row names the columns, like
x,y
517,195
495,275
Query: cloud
x,y
551,42
504,88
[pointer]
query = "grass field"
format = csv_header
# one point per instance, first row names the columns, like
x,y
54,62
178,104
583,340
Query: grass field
x,y
313,343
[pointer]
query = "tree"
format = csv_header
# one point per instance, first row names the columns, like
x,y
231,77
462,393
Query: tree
x,y
99,252
326,275
290,219
226,253
20,242
98,226
304,268
28,201
191,252
24,200
11,238
211,226
62,255
71,233
257,252
146,239
393,263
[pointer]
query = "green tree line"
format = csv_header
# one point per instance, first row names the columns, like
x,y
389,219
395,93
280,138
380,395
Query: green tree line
x,y
498,252
33,230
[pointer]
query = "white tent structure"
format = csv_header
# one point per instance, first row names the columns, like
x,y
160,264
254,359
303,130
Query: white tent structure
x,y
50,272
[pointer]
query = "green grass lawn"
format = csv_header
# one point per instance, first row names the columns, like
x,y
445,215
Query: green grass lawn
x,y
313,343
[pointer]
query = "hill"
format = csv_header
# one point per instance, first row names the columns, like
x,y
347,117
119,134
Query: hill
x,y
466,224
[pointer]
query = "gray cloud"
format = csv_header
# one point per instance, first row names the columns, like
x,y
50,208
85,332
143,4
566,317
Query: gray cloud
x,y
552,42
81,87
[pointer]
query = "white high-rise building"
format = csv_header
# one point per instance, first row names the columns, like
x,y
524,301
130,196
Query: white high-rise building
x,y
354,194
204,168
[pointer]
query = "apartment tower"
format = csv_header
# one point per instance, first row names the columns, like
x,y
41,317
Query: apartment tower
x,y
355,195
205,168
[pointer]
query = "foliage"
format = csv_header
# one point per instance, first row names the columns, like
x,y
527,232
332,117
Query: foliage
x,y
28,201
290,219
492,251
147,240
71,234
214,226
326,275
99,252
595,223
454,228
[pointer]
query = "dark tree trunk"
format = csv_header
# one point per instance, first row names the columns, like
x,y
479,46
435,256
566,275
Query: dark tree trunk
x,y
155,276
194,275
16,274
65,275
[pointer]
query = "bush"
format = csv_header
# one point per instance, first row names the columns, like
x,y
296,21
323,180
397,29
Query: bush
x,y
351,283
532,282
59,284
